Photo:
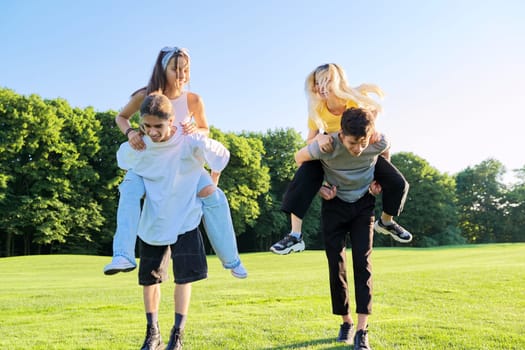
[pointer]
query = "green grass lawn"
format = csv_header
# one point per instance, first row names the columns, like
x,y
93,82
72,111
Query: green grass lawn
x,y
469,297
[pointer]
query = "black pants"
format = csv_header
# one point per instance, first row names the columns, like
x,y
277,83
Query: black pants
x,y
309,178
339,219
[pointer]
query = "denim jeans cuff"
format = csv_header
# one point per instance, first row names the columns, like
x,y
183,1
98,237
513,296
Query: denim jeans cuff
x,y
233,264
130,259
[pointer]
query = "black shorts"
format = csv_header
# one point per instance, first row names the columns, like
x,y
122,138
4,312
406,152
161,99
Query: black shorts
x,y
188,255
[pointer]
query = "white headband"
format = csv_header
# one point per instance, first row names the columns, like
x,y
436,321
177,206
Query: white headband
x,y
170,51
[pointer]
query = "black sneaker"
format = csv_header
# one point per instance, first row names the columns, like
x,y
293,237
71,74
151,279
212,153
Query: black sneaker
x,y
395,230
153,340
361,340
175,342
346,333
287,245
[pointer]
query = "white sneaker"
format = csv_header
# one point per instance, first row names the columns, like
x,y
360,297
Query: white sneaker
x,y
118,264
288,245
395,230
239,271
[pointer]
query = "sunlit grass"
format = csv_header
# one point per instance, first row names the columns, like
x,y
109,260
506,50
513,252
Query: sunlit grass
x,y
470,297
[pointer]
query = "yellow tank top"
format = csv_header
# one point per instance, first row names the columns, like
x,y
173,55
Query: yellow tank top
x,y
332,122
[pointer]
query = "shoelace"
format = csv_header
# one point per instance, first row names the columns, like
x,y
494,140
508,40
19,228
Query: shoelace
x,y
345,329
288,239
399,230
363,340
150,340
175,342
175,338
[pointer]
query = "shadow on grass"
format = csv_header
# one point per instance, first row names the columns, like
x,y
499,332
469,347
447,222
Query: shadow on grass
x,y
329,342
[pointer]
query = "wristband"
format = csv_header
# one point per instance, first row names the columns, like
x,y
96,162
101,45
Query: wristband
x,y
128,131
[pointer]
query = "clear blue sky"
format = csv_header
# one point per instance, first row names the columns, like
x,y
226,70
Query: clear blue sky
x,y
453,70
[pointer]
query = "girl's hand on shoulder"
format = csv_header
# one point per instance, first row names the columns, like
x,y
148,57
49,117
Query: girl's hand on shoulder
x,y
197,110
135,140
189,128
325,143
376,137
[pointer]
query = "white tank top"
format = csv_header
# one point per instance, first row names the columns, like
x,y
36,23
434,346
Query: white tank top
x,y
181,110
182,114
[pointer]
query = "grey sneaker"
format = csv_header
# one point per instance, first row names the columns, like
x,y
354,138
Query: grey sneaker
x,y
346,333
396,231
239,271
287,245
361,340
153,340
118,264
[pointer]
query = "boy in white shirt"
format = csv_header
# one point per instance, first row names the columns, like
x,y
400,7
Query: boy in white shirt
x,y
170,166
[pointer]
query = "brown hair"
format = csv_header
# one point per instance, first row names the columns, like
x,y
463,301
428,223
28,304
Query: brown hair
x,y
157,105
357,122
157,82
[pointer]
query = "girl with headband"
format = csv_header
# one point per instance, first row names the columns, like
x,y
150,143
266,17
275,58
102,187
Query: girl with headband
x,y
170,75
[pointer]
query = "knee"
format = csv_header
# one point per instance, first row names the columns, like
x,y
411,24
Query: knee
x,y
216,197
207,191
132,189
407,187
400,184
403,185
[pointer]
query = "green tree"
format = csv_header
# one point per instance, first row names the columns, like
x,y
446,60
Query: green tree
x,y
81,129
515,210
280,146
105,164
245,178
430,211
43,161
480,195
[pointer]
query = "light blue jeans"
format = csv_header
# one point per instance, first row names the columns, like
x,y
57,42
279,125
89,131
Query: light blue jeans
x,y
216,218
128,213
218,225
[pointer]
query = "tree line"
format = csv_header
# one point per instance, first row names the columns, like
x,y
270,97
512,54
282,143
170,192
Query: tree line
x,y
59,186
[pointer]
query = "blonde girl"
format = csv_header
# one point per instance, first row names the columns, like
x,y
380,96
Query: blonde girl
x,y
329,95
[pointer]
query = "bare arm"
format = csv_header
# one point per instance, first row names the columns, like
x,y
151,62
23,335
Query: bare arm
x,y
215,175
122,120
302,156
196,107
311,135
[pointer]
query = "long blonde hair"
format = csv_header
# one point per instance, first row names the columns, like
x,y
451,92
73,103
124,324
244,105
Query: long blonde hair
x,y
334,76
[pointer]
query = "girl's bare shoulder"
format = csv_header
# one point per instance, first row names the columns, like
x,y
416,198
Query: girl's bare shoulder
x,y
139,95
194,98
